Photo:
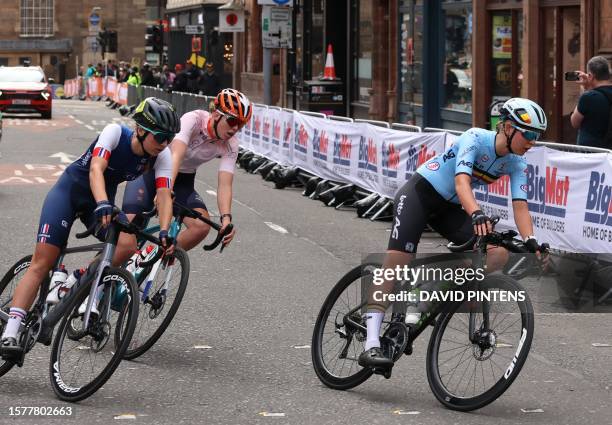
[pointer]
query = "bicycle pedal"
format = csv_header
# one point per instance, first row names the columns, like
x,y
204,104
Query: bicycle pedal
x,y
384,372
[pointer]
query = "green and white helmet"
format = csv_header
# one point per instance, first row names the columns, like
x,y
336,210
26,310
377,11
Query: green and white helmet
x,y
525,113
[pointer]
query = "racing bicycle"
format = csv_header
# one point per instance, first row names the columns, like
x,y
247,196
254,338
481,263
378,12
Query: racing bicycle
x,y
82,359
162,281
476,348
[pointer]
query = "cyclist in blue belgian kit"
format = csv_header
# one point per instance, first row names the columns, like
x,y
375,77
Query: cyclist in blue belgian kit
x,y
87,189
440,194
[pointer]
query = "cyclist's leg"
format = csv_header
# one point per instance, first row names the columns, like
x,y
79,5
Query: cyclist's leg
x,y
186,195
409,220
137,197
56,220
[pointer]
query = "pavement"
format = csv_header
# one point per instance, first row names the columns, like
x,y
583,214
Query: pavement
x,y
238,350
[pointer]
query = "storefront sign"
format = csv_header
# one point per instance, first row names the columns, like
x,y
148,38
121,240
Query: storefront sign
x,y
502,37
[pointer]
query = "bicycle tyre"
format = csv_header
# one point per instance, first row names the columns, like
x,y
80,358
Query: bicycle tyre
x,y
133,352
318,361
18,267
71,394
447,397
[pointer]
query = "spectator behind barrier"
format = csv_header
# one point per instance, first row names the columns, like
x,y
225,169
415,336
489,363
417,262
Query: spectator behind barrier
x,y
209,84
593,114
134,77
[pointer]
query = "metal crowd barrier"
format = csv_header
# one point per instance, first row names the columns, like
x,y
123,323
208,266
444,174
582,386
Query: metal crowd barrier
x,y
573,148
384,124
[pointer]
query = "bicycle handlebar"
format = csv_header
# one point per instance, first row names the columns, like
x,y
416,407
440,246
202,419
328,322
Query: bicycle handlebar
x,y
185,211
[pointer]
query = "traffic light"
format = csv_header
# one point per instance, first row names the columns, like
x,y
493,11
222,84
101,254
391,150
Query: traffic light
x,y
154,40
111,46
103,41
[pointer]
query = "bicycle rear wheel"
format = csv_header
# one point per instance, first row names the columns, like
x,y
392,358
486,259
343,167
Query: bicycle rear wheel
x,y
336,343
160,304
468,374
84,360
7,287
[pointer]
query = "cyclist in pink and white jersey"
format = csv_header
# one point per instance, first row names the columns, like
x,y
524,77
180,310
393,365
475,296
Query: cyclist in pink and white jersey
x,y
203,137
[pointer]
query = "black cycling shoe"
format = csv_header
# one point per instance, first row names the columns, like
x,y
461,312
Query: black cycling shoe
x,y
375,358
10,349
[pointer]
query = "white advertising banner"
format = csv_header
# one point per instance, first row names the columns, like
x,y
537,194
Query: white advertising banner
x,y
569,195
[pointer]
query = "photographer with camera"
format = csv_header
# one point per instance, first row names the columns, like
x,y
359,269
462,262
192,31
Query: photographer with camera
x,y
593,114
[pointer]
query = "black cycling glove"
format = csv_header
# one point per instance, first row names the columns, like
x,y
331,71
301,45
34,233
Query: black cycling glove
x,y
478,218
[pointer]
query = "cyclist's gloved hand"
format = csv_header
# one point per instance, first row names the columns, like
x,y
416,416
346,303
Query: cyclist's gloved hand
x,y
103,212
532,245
167,242
482,223
122,218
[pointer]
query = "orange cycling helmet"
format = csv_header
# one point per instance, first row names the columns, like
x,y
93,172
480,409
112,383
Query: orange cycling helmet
x,y
235,104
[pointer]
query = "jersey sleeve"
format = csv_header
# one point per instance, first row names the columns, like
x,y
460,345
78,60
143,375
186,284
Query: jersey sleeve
x,y
189,125
107,141
518,180
228,160
466,152
163,170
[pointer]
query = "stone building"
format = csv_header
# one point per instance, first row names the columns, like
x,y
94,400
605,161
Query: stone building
x,y
60,35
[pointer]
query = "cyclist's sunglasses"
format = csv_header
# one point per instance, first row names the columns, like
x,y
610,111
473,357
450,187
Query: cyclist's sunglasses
x,y
529,135
231,120
160,136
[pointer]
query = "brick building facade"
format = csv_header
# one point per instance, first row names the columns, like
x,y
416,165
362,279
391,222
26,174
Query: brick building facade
x,y
55,34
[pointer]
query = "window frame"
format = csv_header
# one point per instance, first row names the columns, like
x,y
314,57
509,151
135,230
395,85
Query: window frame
x,y
31,25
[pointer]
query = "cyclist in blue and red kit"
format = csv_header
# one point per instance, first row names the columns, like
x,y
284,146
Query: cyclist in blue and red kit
x,y
440,194
87,189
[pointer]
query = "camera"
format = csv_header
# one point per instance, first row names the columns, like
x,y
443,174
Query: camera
x,y
572,76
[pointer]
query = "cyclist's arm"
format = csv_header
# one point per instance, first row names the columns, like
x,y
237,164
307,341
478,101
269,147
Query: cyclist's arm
x,y
107,141
522,218
468,144
163,186
224,194
463,186
178,147
518,186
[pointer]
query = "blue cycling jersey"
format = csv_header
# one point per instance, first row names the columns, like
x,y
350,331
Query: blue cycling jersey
x,y
473,153
123,164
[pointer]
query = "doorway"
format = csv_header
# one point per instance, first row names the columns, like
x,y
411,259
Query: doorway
x,y
561,50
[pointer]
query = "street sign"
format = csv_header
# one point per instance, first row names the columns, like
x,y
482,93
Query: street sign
x,y
276,27
275,2
194,29
94,19
231,20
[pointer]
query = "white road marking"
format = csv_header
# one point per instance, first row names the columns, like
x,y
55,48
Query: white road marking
x,y
211,192
125,416
276,227
600,345
272,415
79,122
532,410
301,346
40,180
64,158
406,412
202,347
18,173
89,127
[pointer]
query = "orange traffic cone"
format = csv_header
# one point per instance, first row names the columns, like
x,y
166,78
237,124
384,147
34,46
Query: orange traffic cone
x,y
329,73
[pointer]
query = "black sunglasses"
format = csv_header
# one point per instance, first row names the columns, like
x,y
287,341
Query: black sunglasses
x,y
160,136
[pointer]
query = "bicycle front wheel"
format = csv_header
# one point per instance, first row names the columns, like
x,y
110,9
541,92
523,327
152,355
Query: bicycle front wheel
x,y
159,302
467,372
82,360
7,287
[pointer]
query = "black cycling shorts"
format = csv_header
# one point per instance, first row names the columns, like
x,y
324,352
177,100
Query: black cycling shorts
x,y
139,194
417,204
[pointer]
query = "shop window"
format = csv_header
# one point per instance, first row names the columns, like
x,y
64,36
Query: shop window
x,y
4,61
316,40
363,61
411,51
457,73
506,54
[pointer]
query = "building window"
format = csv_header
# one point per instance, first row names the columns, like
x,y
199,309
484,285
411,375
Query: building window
x,y
411,51
36,18
4,61
363,61
458,56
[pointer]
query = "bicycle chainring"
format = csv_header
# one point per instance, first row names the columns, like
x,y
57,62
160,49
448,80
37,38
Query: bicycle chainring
x,y
394,340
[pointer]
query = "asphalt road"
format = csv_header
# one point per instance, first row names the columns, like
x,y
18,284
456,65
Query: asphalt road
x,y
255,305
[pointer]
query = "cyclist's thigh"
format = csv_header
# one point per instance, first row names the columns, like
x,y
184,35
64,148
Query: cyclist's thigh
x,y
58,213
139,194
409,217
454,224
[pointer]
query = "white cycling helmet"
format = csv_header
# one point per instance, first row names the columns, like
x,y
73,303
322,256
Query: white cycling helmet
x,y
525,113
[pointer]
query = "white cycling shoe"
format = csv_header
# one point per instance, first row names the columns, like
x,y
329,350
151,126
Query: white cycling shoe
x,y
83,308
